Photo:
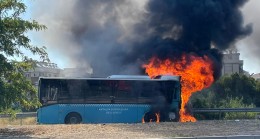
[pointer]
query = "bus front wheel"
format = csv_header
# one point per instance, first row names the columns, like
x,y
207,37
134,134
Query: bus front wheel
x,y
73,118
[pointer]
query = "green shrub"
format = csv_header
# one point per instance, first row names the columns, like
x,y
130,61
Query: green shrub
x,y
237,103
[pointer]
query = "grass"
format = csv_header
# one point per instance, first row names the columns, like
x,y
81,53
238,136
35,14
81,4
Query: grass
x,y
18,121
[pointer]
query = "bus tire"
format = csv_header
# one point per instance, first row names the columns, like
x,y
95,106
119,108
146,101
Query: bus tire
x,y
150,117
73,118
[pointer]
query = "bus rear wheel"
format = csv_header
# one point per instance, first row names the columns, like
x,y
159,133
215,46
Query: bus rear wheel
x,y
150,117
73,118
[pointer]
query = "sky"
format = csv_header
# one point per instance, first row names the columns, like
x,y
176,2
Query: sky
x,y
248,47
251,57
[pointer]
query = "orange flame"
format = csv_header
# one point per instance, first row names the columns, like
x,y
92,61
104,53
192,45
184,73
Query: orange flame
x,y
196,74
157,117
143,120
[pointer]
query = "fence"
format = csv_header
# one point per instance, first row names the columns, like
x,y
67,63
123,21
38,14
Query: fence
x,y
222,110
201,110
20,115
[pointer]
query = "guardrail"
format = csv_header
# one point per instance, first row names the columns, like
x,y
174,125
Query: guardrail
x,y
20,115
205,110
222,110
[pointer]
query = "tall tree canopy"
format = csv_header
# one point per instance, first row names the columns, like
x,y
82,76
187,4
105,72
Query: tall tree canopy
x,y
14,88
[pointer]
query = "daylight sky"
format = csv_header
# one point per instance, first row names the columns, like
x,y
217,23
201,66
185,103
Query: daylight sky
x,y
251,57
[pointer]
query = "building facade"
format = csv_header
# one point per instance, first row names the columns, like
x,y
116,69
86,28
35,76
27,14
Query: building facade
x,y
75,73
232,64
42,69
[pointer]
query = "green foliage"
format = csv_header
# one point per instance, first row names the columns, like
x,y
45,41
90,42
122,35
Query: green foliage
x,y
205,99
14,88
237,103
237,85
235,91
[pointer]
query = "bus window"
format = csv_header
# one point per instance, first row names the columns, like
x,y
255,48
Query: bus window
x,y
99,88
125,92
123,89
150,89
50,92
170,91
97,91
74,87
64,92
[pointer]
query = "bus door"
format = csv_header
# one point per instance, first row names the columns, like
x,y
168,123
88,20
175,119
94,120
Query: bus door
x,y
124,107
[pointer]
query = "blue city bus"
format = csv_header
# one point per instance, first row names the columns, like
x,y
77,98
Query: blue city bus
x,y
116,99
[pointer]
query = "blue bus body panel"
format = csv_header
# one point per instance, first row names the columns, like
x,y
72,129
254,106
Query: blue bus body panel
x,y
94,113
49,115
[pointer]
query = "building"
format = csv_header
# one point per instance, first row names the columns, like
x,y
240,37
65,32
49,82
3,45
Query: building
x,y
75,72
256,76
232,64
45,69
42,69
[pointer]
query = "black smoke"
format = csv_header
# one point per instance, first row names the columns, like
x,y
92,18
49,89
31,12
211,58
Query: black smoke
x,y
117,36
197,27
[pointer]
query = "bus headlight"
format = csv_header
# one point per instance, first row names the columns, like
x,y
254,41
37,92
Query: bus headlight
x,y
172,115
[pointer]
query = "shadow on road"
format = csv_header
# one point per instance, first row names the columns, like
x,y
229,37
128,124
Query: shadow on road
x,y
13,133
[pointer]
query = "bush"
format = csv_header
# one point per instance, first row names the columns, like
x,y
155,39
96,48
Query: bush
x,y
237,103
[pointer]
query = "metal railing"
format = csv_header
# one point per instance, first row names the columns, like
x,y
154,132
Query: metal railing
x,y
20,115
207,110
223,110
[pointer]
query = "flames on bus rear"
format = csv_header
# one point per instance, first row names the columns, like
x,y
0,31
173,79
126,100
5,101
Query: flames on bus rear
x,y
196,73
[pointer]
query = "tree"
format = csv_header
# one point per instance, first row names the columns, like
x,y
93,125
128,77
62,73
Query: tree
x,y
14,88
237,85
234,91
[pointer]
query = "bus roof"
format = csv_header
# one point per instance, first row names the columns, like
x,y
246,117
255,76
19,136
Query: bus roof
x,y
129,77
121,77
162,77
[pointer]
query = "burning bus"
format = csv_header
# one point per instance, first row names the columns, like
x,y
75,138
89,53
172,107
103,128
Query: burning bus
x,y
116,99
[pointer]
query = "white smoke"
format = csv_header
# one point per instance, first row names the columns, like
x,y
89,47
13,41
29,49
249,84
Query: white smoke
x,y
249,47
83,35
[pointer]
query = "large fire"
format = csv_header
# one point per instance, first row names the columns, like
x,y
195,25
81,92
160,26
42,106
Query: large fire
x,y
196,73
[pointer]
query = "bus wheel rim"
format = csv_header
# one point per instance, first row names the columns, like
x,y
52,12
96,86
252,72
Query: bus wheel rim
x,y
73,120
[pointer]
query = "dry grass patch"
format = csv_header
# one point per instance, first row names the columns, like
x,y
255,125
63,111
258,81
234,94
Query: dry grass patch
x,y
18,121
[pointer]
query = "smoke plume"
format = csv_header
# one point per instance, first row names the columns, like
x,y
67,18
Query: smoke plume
x,y
249,47
118,36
